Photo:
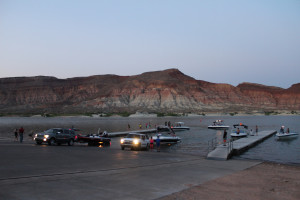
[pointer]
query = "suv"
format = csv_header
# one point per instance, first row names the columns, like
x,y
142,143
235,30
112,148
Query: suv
x,y
56,136
135,141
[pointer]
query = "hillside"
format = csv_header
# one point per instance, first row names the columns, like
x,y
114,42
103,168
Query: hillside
x,y
161,91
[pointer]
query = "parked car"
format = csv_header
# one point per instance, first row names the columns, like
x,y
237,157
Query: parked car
x,y
55,136
135,141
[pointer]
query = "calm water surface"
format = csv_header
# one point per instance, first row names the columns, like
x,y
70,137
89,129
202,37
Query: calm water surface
x,y
194,141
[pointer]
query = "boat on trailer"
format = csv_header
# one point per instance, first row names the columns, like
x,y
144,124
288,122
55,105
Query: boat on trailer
x,y
167,136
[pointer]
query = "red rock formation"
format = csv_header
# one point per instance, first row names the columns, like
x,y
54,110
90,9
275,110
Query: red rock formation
x,y
161,91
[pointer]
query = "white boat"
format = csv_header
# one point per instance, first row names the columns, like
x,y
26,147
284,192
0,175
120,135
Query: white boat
x,y
179,126
168,136
167,139
286,135
239,130
218,125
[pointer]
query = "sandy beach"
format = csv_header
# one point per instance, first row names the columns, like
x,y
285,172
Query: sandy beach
x,y
264,181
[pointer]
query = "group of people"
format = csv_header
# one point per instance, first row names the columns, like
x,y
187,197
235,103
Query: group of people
x,y
282,130
238,131
148,125
157,141
19,134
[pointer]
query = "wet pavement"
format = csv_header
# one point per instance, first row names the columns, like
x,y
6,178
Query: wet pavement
x,y
29,171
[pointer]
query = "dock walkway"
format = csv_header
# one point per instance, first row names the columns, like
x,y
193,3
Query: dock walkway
x,y
236,147
118,134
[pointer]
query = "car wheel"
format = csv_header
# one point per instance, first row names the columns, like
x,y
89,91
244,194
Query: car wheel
x,y
122,148
38,142
51,142
71,142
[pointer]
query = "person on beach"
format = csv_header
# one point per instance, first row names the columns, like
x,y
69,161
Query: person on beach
x,y
21,132
256,130
151,143
16,134
224,137
158,144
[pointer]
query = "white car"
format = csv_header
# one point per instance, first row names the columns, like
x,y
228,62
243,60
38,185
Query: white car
x,y
135,141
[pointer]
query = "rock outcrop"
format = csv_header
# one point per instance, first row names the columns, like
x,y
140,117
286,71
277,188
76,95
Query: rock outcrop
x,y
161,91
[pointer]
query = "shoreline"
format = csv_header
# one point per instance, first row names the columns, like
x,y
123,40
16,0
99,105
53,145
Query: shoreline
x,y
267,180
139,115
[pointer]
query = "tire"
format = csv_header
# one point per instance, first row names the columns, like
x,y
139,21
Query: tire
x,y
71,142
51,142
38,142
122,147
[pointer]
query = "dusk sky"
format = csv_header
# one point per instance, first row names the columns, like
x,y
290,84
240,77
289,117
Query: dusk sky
x,y
228,41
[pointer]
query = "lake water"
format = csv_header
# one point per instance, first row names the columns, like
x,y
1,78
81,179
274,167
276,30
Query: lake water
x,y
194,141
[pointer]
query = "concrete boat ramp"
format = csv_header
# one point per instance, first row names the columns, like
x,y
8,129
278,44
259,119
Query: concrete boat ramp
x,y
236,147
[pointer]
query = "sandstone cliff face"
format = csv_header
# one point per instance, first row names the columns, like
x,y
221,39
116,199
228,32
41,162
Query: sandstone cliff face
x,y
162,91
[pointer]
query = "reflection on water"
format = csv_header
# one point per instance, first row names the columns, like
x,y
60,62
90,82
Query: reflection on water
x,y
194,141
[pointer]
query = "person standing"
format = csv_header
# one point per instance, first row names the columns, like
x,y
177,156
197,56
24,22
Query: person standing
x,y
224,137
151,143
281,129
256,130
128,126
16,134
21,132
158,143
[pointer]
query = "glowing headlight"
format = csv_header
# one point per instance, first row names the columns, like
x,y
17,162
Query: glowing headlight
x,y
35,135
122,141
136,141
46,136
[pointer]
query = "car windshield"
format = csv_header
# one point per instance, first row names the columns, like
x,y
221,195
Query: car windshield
x,y
132,136
52,131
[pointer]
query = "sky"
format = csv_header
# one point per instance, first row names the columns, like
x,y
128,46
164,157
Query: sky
x,y
220,41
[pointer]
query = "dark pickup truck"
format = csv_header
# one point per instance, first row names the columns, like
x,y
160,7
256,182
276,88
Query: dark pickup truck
x,y
55,136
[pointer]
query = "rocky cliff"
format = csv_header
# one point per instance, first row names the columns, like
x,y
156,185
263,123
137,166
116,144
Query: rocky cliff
x,y
161,91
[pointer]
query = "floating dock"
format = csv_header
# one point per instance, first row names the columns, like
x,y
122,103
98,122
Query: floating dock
x,y
236,147
119,134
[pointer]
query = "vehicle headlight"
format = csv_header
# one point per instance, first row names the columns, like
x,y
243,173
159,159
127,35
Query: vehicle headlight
x,y
35,135
122,141
136,141
46,136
